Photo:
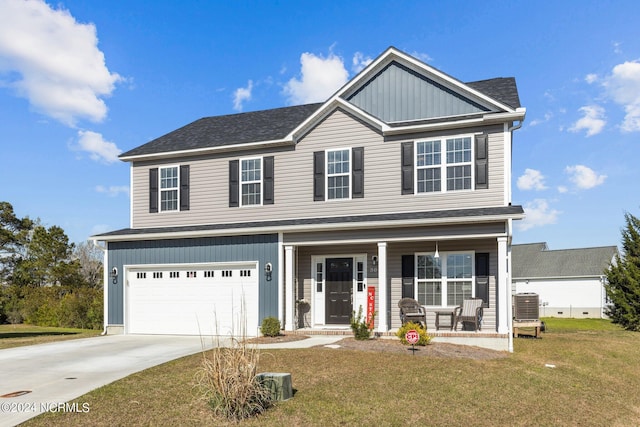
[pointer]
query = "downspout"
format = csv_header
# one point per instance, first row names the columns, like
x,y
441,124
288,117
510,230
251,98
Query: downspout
x,y
105,282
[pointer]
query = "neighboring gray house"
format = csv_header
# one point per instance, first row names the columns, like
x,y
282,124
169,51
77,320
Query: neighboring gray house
x,y
398,185
569,282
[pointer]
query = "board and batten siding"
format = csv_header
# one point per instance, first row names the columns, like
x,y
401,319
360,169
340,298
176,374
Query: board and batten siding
x,y
260,248
293,177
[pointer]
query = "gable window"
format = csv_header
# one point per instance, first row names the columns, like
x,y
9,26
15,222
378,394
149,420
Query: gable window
x,y
251,182
338,174
169,189
446,280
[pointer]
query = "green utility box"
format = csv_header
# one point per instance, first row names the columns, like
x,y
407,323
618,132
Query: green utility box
x,y
279,383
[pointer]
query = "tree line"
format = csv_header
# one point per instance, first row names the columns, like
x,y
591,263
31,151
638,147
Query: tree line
x,y
46,280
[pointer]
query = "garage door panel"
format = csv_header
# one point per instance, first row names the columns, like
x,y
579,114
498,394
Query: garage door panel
x,y
218,305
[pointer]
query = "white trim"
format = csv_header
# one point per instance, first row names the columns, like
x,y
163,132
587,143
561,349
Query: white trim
x,y
176,188
318,299
205,150
309,227
130,268
503,288
383,324
131,194
326,173
289,285
240,182
281,314
507,166
444,165
398,239
444,279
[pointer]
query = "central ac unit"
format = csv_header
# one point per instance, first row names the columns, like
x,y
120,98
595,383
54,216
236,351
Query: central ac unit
x,y
526,307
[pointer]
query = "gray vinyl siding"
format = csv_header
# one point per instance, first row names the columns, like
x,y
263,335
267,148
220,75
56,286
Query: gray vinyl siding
x,y
394,262
293,180
398,94
261,248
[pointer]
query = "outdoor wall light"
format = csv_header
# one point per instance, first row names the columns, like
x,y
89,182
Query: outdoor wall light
x,y
114,275
268,269
374,260
437,254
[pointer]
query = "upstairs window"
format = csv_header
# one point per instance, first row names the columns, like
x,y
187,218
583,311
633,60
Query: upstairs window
x,y
459,164
456,166
338,174
169,189
251,181
441,165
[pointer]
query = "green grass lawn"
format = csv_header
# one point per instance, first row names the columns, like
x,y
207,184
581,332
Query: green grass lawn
x,y
594,383
19,335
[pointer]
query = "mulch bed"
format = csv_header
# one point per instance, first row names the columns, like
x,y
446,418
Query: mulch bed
x,y
392,345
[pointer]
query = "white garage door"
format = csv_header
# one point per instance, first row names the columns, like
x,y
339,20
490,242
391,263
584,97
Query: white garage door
x,y
215,299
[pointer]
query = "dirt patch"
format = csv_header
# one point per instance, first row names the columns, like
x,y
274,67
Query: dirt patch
x,y
438,349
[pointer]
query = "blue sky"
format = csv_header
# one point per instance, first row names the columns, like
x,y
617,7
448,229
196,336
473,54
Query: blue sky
x,y
81,82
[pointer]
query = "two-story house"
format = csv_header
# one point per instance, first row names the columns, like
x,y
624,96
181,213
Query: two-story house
x,y
399,185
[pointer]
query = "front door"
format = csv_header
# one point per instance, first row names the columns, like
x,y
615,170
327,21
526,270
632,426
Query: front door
x,y
339,287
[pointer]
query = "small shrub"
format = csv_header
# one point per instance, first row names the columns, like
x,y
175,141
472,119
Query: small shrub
x,y
270,327
423,339
360,327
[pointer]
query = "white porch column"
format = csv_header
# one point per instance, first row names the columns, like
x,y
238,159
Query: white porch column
x,y
504,288
288,292
383,325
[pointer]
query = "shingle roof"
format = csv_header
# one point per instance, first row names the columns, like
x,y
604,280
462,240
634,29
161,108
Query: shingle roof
x,y
534,260
353,219
275,124
232,129
501,89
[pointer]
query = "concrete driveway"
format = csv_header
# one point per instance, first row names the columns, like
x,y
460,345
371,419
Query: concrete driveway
x,y
55,373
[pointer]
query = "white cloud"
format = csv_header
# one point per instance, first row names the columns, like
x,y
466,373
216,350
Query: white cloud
x,y
113,190
97,147
593,121
241,95
320,78
623,86
53,61
583,177
360,61
562,189
547,116
591,78
538,213
531,180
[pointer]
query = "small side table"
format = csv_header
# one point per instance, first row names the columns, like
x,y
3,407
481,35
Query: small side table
x,y
444,313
